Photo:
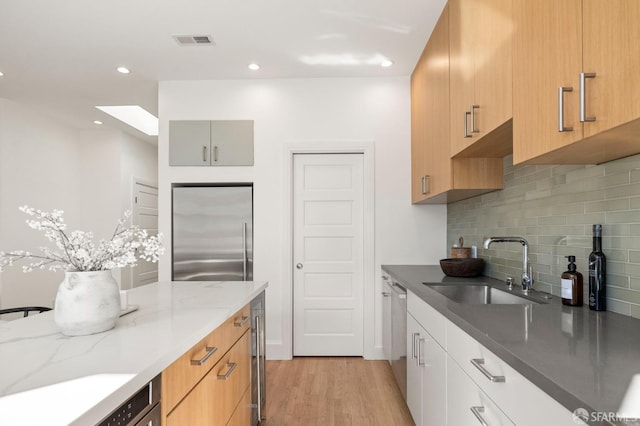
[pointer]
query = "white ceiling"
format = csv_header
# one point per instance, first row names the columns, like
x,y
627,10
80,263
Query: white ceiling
x,y
61,56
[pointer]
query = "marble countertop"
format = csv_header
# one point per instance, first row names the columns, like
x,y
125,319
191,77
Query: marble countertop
x,y
581,358
48,378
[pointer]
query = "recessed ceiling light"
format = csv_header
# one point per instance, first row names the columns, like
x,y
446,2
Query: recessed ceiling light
x,y
254,67
97,122
386,63
1,74
123,70
135,116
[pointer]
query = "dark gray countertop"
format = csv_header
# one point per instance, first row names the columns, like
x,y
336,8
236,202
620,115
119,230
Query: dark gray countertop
x,y
581,358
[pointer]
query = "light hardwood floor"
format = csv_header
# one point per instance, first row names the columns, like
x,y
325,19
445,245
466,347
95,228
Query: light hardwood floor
x,y
333,391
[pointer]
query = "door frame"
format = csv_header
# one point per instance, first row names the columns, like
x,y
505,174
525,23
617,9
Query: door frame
x,y
366,148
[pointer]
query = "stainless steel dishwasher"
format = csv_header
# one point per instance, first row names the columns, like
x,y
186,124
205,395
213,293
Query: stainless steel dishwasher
x,y
399,336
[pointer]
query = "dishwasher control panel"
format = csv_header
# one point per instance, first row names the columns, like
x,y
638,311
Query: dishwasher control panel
x,y
136,407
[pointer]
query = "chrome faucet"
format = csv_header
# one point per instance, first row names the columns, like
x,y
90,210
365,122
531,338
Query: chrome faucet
x,y
527,271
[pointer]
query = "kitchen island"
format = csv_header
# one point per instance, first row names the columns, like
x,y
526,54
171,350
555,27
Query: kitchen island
x,y
48,378
583,359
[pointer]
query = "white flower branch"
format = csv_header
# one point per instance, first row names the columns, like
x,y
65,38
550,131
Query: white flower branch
x,y
79,252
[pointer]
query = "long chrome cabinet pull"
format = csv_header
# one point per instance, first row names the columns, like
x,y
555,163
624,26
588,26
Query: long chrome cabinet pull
x,y
258,340
241,323
473,118
583,95
479,364
426,184
561,126
215,153
413,345
466,130
423,187
210,351
478,411
204,153
420,354
232,366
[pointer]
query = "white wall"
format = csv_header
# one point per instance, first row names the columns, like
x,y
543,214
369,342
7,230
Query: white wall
x,y
302,110
49,165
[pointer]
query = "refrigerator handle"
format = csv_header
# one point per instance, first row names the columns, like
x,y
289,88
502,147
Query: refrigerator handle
x,y
244,251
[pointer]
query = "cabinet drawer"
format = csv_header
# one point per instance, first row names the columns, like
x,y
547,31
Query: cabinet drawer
x,y
431,320
522,401
214,399
242,415
464,397
186,371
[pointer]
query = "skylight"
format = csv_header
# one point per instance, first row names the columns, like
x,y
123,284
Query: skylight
x,y
135,116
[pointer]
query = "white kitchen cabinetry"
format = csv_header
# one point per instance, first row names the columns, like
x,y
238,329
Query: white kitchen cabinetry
x,y
211,143
426,375
522,401
386,318
466,403
460,373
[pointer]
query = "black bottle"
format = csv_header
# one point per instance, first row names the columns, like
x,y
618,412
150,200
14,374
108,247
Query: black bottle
x,y
597,273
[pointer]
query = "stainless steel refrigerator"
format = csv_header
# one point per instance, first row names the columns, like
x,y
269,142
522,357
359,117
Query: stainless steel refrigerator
x,y
212,233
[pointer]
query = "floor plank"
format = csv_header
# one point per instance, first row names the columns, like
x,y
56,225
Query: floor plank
x,y
333,391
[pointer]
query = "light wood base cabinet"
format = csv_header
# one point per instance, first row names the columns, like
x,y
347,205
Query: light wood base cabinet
x,y
209,384
215,398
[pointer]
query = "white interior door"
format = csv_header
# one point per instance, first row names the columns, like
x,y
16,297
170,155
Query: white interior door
x,y
145,215
328,254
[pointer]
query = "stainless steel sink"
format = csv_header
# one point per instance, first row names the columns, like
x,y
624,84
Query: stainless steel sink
x,y
480,294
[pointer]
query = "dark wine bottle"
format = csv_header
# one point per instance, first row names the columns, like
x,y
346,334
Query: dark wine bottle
x,y
597,273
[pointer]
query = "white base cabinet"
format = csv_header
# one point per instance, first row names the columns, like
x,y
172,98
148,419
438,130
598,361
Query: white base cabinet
x,y
446,384
426,376
467,404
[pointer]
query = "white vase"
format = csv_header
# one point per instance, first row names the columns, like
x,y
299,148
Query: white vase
x,y
87,303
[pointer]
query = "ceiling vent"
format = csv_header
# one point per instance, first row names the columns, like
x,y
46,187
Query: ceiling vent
x,y
194,40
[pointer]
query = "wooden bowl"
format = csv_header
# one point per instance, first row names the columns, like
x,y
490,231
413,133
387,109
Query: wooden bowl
x,y
471,267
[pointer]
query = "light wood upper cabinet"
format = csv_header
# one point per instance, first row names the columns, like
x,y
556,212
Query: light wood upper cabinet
x,y
436,177
555,42
481,77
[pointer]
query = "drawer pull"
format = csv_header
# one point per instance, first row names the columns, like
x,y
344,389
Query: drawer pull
x,y
414,336
479,364
210,351
478,411
241,323
232,366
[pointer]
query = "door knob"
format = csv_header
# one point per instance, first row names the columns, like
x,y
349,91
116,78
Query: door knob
x,y
299,266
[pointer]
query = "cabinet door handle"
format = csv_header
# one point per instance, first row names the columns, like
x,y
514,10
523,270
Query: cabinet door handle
x,y
385,294
204,154
466,130
561,126
232,366
413,345
421,362
425,184
473,118
478,411
258,357
215,153
479,364
210,351
423,189
241,323
583,95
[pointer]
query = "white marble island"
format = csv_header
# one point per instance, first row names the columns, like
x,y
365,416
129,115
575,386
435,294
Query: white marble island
x,y
48,378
